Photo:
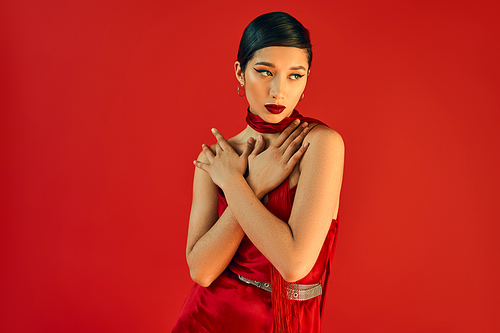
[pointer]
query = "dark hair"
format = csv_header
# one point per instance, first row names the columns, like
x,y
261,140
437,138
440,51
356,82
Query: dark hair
x,y
273,29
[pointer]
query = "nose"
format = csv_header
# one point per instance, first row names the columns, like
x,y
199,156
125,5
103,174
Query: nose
x,y
278,88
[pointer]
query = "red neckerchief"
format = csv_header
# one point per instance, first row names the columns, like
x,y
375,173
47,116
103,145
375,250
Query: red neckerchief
x,y
261,126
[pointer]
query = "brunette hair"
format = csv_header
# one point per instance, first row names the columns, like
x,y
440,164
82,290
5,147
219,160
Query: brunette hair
x,y
273,29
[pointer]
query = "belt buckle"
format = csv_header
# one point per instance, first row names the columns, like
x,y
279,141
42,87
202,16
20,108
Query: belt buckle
x,y
296,292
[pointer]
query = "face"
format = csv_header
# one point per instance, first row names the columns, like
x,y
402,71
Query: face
x,y
275,77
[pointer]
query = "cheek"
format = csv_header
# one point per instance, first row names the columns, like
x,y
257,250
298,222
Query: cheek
x,y
300,88
255,88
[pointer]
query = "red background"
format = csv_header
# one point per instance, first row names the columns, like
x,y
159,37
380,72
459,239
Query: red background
x,y
104,104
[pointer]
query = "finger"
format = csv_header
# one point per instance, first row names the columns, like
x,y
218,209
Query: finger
x,y
291,146
284,135
298,154
249,147
299,132
208,152
220,139
218,149
203,166
259,146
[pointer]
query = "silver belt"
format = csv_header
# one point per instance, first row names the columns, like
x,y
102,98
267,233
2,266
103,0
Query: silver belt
x,y
295,291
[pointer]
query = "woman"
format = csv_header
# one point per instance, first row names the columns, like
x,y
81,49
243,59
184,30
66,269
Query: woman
x,y
264,214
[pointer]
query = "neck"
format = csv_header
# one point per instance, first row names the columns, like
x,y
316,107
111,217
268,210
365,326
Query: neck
x,y
261,126
268,137
270,131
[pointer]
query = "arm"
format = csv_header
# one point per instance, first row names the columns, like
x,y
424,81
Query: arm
x,y
212,241
293,248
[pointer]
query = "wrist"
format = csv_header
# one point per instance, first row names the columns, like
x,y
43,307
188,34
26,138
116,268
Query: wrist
x,y
231,182
258,193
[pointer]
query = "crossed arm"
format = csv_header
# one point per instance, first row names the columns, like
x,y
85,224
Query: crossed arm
x,y
291,247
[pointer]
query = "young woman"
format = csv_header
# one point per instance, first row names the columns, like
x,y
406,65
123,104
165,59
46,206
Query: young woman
x,y
265,202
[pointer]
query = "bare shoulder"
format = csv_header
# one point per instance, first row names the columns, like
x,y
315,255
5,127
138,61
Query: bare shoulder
x,y
323,137
326,147
202,157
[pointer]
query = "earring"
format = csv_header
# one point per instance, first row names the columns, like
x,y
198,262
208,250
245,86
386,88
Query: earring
x,y
244,92
301,97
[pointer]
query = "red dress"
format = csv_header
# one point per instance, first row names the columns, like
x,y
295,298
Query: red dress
x,y
230,305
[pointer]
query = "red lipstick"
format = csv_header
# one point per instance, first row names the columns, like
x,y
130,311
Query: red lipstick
x,y
275,109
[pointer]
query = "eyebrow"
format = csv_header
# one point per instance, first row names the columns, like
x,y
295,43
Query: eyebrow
x,y
265,63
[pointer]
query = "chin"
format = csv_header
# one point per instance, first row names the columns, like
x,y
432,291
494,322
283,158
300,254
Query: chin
x,y
273,118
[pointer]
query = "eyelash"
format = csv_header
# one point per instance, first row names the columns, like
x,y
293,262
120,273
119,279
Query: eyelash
x,y
261,71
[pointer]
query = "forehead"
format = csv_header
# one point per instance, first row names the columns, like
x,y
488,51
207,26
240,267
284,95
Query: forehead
x,y
281,56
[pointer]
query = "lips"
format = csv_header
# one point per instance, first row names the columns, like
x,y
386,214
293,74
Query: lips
x,y
275,109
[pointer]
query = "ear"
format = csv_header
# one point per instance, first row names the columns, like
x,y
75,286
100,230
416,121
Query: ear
x,y
239,73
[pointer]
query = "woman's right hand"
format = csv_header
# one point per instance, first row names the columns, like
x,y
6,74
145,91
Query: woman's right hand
x,y
268,168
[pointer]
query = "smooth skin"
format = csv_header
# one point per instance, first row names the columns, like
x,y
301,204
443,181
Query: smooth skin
x,y
274,75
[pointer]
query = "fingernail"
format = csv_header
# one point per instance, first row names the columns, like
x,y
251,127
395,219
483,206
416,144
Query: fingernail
x,y
250,140
296,121
259,138
213,130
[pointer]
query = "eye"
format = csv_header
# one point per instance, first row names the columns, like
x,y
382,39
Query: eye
x,y
264,72
296,76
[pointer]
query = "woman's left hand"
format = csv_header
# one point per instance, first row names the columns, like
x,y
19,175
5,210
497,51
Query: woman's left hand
x,y
226,164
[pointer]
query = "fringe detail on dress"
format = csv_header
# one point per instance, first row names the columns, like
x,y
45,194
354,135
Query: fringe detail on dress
x,y
285,310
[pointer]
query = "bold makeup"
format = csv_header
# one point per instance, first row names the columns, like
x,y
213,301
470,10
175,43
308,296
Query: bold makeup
x,y
275,109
